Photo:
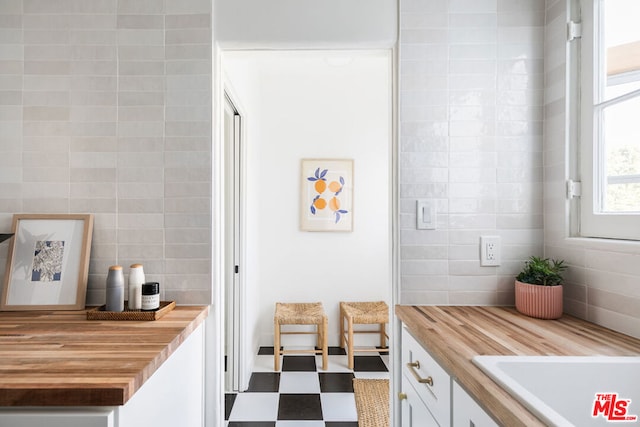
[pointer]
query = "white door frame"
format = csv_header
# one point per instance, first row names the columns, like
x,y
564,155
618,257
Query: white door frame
x,y
233,243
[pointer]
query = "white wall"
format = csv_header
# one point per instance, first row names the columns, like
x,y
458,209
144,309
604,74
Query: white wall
x,y
305,24
105,108
314,105
471,85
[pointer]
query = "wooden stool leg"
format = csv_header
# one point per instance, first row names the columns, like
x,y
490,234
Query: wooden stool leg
x,y
350,341
325,344
342,343
276,346
383,341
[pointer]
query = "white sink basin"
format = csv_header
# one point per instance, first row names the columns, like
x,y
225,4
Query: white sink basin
x,y
561,390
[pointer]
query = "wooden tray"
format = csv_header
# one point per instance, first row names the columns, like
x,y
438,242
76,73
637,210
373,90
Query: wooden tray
x,y
99,313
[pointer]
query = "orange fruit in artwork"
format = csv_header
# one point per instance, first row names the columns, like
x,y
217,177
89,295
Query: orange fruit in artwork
x,y
320,186
334,186
334,204
320,203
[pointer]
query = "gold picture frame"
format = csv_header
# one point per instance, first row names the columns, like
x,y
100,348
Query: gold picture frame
x,y
48,262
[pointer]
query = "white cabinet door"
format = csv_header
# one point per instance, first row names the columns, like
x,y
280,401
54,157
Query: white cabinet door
x,y
414,412
174,394
427,377
466,412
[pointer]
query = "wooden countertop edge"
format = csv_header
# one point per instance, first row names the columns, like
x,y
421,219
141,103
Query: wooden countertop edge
x,y
23,394
162,356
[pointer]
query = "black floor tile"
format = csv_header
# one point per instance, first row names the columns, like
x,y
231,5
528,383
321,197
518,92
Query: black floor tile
x,y
340,424
229,399
336,382
299,363
299,407
268,382
265,351
254,424
336,351
369,364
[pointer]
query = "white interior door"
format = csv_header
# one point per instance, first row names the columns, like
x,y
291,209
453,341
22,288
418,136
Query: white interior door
x,y
232,141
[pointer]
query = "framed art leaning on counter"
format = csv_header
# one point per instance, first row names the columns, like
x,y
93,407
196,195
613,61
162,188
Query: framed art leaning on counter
x,y
48,262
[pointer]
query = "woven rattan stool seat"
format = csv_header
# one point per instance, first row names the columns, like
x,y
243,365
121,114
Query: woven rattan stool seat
x,y
300,313
367,312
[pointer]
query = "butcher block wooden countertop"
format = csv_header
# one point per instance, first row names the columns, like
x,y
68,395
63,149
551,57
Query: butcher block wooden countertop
x,y
453,335
59,358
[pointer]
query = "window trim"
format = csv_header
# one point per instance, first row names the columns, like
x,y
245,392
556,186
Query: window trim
x,y
621,226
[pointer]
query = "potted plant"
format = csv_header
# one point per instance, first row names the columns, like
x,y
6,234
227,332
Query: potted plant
x,y
539,288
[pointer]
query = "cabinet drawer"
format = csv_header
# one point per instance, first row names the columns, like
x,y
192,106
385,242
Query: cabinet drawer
x,y
414,412
431,382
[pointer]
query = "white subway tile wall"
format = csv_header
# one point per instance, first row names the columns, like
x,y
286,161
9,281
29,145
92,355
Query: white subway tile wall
x,y
105,107
471,111
603,284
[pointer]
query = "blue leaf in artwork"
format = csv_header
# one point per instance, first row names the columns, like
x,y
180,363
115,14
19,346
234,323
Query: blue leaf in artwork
x,y
316,198
337,217
339,191
312,178
324,172
317,174
342,180
342,211
313,210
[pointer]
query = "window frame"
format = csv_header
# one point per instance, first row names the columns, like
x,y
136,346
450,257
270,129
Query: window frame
x,y
621,226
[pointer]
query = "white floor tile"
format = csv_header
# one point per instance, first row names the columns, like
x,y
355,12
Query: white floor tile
x,y
263,363
299,382
372,375
338,407
255,407
385,359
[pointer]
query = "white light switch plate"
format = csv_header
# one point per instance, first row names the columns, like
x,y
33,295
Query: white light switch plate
x,y
426,214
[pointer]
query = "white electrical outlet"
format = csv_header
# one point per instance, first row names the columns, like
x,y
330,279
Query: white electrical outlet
x,y
489,251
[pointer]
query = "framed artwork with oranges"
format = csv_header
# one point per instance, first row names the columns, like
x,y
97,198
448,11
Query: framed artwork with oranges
x,y
327,195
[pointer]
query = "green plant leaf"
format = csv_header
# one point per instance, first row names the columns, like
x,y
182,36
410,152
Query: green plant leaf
x,y
542,271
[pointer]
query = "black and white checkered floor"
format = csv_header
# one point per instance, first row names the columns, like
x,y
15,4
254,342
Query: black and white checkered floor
x,y
302,394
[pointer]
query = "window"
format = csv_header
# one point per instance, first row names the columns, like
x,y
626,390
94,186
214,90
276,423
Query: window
x,y
610,119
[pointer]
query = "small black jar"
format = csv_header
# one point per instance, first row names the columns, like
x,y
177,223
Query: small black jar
x,y
150,296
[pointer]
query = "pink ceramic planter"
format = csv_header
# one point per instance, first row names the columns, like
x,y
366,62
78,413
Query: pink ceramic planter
x,y
543,302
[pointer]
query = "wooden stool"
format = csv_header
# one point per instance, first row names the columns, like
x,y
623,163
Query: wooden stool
x,y
300,314
362,313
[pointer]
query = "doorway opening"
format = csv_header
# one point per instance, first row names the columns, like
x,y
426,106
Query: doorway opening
x,y
305,105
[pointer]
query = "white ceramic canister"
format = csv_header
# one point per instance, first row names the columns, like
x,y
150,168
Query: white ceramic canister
x,y
115,289
136,279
